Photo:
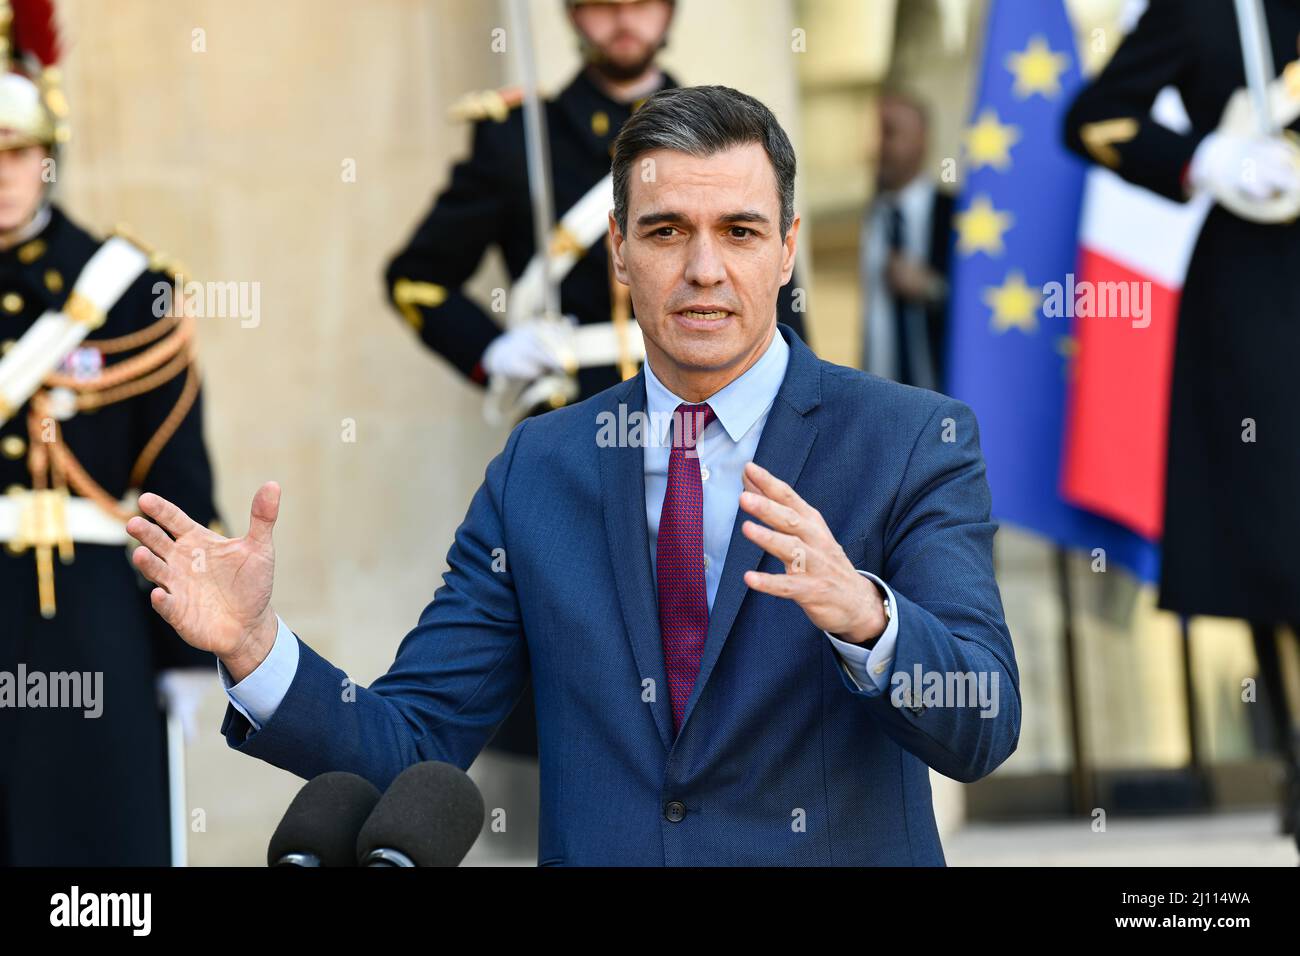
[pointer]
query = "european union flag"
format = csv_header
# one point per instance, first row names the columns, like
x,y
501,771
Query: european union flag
x,y
1016,231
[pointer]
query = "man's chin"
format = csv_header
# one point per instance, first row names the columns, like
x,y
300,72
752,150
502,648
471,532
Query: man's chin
x,y
624,70
701,352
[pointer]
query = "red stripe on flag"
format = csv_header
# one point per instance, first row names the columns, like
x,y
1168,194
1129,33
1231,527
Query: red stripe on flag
x,y
1117,411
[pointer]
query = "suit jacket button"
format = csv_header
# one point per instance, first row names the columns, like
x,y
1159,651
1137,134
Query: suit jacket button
x,y
13,447
674,811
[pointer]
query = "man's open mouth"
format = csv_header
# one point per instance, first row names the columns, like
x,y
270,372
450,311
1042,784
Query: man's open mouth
x,y
703,318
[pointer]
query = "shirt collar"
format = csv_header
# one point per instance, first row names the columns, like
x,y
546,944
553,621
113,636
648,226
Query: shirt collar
x,y
739,403
40,219
912,199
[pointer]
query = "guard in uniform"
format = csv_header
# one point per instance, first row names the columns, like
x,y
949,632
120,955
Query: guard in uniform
x,y
1232,518
99,400
487,203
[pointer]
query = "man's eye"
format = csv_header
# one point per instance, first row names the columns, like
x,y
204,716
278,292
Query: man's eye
x,y
741,232
665,232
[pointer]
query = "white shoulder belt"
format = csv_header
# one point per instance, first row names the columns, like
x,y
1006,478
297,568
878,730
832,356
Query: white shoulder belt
x,y
52,337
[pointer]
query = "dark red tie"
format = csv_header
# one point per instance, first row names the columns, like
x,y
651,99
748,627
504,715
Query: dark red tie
x,y
679,560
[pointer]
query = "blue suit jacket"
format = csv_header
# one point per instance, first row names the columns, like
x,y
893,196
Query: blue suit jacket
x,y
781,759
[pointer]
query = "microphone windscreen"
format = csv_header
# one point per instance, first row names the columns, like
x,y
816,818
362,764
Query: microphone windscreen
x,y
432,813
324,819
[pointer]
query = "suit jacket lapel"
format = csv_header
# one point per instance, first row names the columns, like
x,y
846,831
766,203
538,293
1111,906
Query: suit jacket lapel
x,y
622,473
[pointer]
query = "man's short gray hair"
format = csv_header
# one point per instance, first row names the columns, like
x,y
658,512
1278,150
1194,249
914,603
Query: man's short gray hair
x,y
701,121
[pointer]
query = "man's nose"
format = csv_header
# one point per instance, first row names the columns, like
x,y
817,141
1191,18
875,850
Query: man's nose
x,y
704,264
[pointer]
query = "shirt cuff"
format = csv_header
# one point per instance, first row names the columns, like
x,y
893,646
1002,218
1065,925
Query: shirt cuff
x,y
259,694
869,669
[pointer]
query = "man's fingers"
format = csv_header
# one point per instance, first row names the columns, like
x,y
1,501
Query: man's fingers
x,y
166,605
769,486
167,514
266,508
784,547
152,566
776,489
776,515
150,535
778,585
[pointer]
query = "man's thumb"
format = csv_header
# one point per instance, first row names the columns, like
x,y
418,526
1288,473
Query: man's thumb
x,y
266,508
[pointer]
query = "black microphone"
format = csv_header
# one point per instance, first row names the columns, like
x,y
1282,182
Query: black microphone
x,y
430,816
321,825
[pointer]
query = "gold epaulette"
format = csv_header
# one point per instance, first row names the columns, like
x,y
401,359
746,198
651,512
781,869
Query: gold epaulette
x,y
488,104
159,261
1100,138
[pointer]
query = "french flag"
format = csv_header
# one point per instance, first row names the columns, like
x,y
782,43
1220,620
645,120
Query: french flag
x,y
1117,405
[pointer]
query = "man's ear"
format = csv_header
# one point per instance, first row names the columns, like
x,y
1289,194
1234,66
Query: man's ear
x,y
616,250
790,243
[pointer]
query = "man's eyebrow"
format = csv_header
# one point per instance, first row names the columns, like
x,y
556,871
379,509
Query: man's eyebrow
x,y
745,215
669,216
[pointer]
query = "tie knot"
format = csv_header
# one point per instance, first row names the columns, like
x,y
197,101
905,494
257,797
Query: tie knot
x,y
689,422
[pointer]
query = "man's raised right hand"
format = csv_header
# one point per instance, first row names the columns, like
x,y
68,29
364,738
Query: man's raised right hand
x,y
214,591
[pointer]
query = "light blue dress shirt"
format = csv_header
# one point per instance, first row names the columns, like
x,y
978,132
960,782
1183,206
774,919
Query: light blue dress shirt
x,y
724,447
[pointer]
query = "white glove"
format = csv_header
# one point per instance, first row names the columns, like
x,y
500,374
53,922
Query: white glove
x,y
1255,168
522,353
181,691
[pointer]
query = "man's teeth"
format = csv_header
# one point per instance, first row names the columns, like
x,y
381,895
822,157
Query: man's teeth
x,y
704,315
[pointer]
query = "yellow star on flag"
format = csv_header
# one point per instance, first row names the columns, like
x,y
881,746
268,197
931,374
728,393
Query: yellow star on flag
x,y
988,142
1037,69
1014,304
980,227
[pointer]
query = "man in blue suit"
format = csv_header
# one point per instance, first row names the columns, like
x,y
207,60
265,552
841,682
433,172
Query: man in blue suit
x,y
712,689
